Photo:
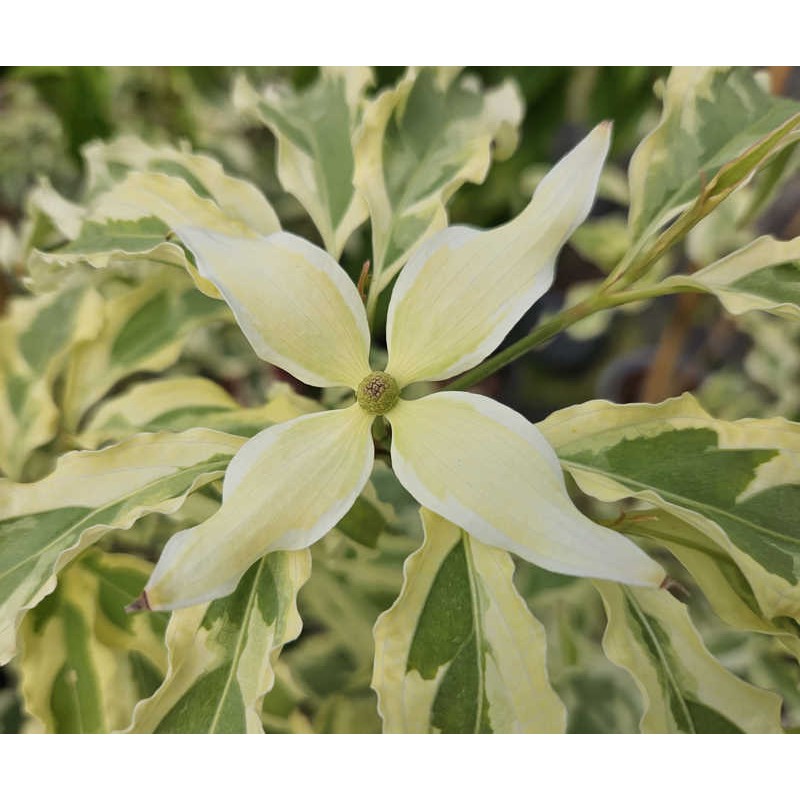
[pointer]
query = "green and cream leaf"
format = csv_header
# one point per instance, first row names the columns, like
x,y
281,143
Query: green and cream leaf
x,y
45,525
420,141
239,200
315,128
762,276
715,573
132,220
460,652
221,654
711,116
36,338
144,328
180,403
84,662
736,482
684,688
47,209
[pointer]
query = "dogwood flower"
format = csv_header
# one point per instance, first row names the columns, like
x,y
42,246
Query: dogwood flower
x,y
470,459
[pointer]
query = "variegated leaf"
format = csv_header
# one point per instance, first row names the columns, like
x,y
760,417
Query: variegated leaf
x,y
84,662
221,654
356,576
132,224
108,163
177,404
132,219
762,276
47,209
684,688
459,652
49,219
45,525
36,337
341,601
420,142
598,695
737,482
114,242
314,129
711,115
280,711
143,329
716,574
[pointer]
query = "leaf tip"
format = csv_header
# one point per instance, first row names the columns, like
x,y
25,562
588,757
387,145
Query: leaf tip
x,y
141,603
676,589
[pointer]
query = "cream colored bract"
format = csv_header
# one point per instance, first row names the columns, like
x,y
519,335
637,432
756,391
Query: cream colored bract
x,y
472,460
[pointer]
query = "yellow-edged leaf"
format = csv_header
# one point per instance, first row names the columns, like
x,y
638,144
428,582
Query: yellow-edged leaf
x,y
45,525
177,404
84,663
314,128
221,654
684,688
419,142
36,338
143,328
459,652
737,482
762,276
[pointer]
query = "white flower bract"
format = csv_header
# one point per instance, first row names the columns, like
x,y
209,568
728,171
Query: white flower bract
x,y
468,458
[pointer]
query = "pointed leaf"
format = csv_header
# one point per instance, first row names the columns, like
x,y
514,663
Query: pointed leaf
x,y
143,329
111,242
419,143
221,654
684,688
44,525
84,662
63,215
719,578
314,128
177,404
133,222
36,338
711,115
108,163
459,652
737,482
763,276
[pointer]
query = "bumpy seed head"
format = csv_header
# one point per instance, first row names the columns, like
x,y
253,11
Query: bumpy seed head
x,y
377,393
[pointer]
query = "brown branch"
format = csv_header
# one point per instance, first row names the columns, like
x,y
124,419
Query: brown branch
x,y
660,379
778,76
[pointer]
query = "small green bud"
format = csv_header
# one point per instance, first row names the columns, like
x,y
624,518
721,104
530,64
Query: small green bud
x,y
378,393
